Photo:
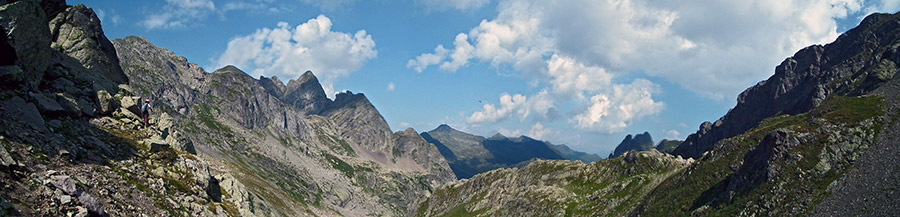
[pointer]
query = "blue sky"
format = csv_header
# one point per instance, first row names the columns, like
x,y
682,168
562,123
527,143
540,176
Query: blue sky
x,y
583,73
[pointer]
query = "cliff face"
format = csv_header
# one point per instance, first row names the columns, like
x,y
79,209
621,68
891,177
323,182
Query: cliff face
x,y
219,143
819,137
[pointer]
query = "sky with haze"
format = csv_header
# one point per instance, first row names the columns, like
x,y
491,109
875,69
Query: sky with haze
x,y
578,72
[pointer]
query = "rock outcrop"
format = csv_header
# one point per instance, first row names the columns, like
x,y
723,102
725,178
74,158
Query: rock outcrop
x,y
77,33
640,142
857,62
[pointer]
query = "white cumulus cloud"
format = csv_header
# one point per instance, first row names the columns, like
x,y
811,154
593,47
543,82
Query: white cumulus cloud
x,y
672,134
509,105
287,51
540,107
615,109
538,131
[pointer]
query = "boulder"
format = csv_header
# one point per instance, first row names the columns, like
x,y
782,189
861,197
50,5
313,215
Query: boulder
x,y
131,104
79,35
86,107
46,104
213,190
108,104
25,112
63,85
179,141
69,104
91,204
159,146
64,183
6,161
126,114
23,22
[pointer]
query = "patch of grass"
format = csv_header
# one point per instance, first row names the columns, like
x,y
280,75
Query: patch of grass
x,y
205,115
340,165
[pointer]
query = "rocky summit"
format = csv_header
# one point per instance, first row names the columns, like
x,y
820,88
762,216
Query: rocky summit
x,y
819,137
639,142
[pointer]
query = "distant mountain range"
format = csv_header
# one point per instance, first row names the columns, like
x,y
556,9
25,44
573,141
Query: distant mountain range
x,y
470,154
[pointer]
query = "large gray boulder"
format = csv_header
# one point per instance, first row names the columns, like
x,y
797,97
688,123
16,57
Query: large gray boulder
x,y
107,104
26,113
79,35
23,22
45,104
6,161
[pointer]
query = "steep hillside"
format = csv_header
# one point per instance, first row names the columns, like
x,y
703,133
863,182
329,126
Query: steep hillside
x,y
667,146
220,143
70,143
640,142
343,160
556,188
819,137
469,154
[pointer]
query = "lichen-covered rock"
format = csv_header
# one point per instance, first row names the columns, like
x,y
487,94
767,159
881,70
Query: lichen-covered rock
x,y
79,35
107,104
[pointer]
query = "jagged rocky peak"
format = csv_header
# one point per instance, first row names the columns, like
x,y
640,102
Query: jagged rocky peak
x,y
304,93
273,86
350,100
638,142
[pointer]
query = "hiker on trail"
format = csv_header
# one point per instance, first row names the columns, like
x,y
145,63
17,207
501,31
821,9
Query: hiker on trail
x,y
145,112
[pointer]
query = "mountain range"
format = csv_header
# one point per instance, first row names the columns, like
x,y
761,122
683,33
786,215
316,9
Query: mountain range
x,y
818,137
469,154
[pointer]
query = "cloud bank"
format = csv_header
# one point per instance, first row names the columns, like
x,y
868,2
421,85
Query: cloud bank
x,y
287,51
577,49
